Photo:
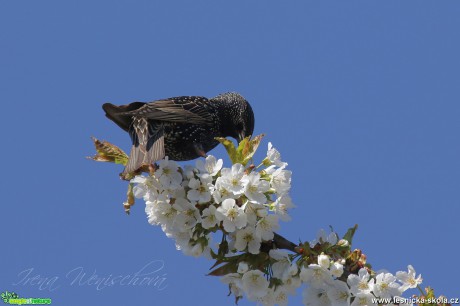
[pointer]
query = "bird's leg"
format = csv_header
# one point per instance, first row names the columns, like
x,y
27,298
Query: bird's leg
x,y
129,176
199,150
147,168
150,169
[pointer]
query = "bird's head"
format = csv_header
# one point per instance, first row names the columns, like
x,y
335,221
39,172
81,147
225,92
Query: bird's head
x,y
245,124
240,123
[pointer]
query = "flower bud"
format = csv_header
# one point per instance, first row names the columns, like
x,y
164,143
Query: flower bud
x,y
242,267
324,261
337,269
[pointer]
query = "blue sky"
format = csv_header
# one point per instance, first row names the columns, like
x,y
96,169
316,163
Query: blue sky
x,y
360,97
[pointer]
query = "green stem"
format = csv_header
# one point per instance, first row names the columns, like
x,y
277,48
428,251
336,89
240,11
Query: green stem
x,y
421,290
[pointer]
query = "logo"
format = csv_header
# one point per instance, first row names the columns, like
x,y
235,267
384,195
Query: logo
x,y
13,298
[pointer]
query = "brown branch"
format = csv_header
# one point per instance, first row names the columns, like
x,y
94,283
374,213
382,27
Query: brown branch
x,y
282,243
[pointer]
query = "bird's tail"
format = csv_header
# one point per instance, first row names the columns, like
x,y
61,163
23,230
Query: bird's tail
x,y
117,113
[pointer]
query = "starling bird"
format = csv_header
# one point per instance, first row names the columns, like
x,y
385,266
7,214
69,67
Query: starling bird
x,y
182,128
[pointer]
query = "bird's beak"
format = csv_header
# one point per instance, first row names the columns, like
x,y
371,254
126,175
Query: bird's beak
x,y
240,136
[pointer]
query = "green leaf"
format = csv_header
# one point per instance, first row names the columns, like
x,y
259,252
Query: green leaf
x,y
250,148
107,152
217,263
230,147
350,233
245,150
229,267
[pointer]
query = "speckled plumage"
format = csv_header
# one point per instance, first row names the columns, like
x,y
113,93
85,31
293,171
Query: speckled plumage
x,y
182,128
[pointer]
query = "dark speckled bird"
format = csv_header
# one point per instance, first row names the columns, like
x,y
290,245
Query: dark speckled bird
x,y
182,128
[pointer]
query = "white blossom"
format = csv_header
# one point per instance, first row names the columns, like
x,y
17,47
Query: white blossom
x,y
196,250
293,270
254,212
281,296
182,239
267,300
254,283
168,174
282,205
324,261
315,297
316,276
231,179
221,192
408,279
247,237
322,237
361,282
188,215
141,189
147,187
150,211
386,286
254,187
231,215
281,267
339,293
274,156
161,212
208,217
200,189
210,166
364,299
281,181
336,269
266,225
291,283
189,172
242,267
177,193
235,283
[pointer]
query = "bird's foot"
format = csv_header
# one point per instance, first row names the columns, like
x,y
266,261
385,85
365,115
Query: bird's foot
x,y
150,169
199,151
147,168
127,176
250,168
203,154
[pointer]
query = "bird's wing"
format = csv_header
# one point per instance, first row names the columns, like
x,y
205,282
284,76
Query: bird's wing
x,y
148,144
194,110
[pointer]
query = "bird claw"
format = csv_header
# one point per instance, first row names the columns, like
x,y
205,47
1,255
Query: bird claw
x,y
150,169
199,151
147,168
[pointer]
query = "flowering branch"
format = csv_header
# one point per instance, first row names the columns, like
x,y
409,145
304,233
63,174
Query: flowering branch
x,y
241,206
